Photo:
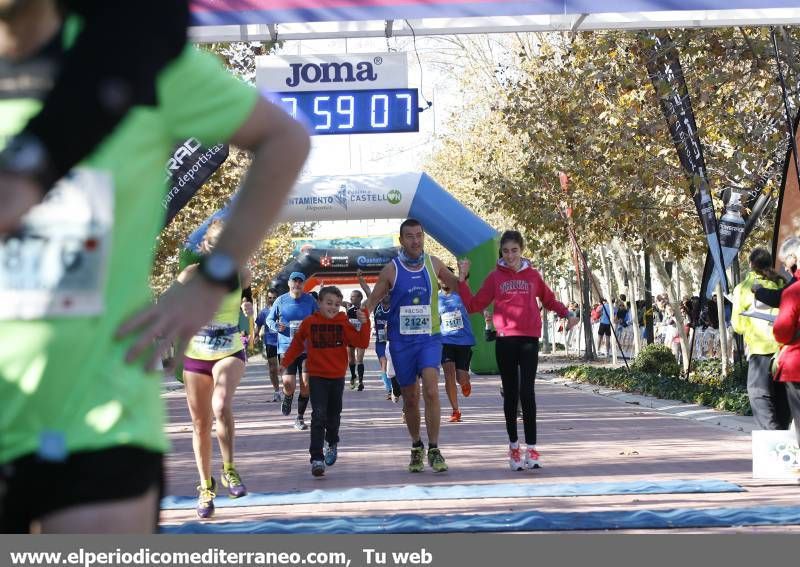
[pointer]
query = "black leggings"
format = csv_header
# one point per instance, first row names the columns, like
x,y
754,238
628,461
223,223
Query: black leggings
x,y
326,413
517,359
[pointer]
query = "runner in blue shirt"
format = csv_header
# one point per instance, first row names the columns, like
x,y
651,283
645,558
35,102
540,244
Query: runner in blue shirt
x,y
284,318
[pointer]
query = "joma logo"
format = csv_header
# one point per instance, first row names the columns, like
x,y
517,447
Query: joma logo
x,y
331,73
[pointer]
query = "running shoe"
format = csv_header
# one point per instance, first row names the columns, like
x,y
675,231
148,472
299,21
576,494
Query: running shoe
x,y
456,417
299,424
277,397
231,479
205,502
360,386
532,458
515,458
330,454
353,383
388,395
317,468
436,460
286,404
417,459
466,388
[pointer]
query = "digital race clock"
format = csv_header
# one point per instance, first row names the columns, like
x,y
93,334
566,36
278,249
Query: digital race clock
x,y
355,111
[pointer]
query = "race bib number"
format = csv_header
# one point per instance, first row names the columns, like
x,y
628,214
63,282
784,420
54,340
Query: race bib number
x,y
356,323
293,326
380,335
56,264
218,346
415,320
452,321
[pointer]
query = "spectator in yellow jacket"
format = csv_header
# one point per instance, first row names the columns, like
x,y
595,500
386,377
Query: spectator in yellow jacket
x,y
767,397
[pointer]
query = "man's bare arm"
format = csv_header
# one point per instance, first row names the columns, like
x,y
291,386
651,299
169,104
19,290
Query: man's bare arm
x,y
445,274
382,287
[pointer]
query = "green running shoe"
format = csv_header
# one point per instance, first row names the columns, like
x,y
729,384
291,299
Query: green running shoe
x,y
436,460
417,463
233,482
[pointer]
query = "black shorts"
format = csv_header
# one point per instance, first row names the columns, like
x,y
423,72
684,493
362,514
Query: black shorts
x,y
460,354
270,351
295,367
35,488
604,329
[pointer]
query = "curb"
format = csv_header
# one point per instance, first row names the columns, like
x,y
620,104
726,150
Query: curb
x,y
695,412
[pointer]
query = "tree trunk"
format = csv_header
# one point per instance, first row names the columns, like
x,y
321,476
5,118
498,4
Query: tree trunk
x,y
661,270
586,311
630,269
635,271
648,299
687,281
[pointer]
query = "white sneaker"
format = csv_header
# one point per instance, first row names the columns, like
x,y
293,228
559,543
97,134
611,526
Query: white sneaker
x,y
532,458
515,458
277,397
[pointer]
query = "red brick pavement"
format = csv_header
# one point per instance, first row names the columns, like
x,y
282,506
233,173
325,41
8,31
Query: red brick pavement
x,y
583,437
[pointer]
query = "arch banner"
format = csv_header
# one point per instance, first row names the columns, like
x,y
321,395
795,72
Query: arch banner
x,y
233,12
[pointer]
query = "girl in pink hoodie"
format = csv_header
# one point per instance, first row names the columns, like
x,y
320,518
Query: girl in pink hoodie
x,y
514,287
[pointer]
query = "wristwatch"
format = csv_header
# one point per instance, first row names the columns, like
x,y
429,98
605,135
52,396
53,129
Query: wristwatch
x,y
26,155
220,268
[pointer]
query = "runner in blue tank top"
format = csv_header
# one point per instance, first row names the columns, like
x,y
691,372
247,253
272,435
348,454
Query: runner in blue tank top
x,y
457,343
414,337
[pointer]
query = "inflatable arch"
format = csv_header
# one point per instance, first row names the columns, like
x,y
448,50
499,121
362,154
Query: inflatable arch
x,y
398,196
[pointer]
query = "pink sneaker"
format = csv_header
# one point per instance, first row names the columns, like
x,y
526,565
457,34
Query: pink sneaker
x,y
515,458
531,458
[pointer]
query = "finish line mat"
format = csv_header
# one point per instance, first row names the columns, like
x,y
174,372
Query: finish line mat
x,y
517,522
458,492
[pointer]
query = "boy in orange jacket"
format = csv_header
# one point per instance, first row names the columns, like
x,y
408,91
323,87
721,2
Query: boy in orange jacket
x,y
325,336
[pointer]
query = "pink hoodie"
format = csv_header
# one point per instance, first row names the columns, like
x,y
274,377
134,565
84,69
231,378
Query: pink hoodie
x,y
516,313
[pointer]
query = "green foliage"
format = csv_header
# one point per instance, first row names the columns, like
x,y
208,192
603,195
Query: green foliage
x,y
710,372
656,359
583,103
705,389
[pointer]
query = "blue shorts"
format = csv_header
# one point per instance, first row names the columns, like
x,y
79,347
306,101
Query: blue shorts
x,y
410,358
380,349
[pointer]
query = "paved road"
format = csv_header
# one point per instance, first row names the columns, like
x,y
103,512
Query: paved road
x,y
584,437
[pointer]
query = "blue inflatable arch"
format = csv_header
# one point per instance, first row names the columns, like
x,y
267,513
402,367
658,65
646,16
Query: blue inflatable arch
x,y
396,196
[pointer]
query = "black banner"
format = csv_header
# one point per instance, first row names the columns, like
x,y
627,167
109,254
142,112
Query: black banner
x,y
664,68
189,166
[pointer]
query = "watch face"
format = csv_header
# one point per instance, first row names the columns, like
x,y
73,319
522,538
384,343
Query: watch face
x,y
23,154
220,266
